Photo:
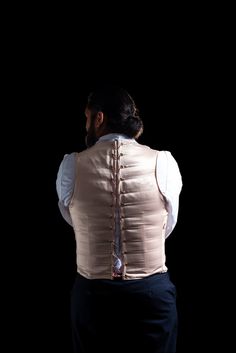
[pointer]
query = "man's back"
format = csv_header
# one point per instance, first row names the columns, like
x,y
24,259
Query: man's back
x,y
118,211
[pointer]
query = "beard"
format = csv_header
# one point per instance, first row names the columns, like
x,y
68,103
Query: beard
x,y
91,138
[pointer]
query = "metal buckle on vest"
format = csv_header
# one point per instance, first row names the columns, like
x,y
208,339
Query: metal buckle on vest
x,y
117,276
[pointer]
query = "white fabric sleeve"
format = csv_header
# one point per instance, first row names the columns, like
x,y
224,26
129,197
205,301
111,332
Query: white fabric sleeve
x,y
169,180
65,184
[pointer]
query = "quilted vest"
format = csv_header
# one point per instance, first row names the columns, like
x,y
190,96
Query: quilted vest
x,y
118,179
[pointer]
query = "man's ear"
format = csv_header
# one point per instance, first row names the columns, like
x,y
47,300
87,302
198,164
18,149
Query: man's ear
x,y
99,119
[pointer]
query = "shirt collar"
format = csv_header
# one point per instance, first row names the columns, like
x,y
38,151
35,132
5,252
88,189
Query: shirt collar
x,y
111,137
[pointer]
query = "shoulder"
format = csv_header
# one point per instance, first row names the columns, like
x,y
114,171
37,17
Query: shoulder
x,y
166,161
69,157
145,147
166,156
68,161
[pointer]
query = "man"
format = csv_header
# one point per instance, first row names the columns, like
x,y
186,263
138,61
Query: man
x,y
121,199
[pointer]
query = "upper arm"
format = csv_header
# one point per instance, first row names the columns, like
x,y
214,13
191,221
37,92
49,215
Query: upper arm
x,y
169,180
168,174
66,178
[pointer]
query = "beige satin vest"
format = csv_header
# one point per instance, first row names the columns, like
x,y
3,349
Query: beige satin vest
x,y
118,178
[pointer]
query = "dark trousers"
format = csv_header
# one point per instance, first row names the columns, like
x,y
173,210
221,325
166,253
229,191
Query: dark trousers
x,y
124,316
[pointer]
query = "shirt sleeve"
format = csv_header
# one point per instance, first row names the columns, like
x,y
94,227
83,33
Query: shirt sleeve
x,y
65,184
169,180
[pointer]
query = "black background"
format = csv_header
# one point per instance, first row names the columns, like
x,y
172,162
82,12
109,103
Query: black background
x,y
171,73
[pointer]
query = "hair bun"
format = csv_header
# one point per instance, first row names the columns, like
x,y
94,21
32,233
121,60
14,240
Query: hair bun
x,y
129,117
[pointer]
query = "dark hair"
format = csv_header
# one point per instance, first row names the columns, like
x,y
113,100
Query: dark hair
x,y
119,109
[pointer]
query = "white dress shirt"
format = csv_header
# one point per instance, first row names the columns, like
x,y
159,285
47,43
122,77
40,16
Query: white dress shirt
x,y
168,177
